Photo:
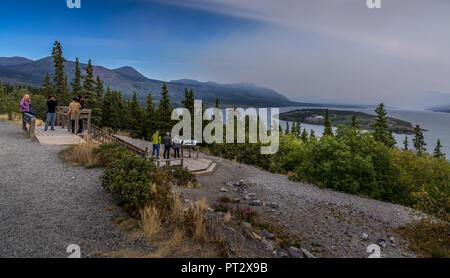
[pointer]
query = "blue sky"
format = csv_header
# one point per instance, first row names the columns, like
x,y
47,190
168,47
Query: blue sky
x,y
154,37
321,50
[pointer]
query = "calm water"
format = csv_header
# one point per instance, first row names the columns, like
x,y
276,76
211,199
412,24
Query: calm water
x,y
437,125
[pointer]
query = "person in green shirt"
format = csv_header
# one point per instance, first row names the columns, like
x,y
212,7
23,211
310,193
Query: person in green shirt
x,y
156,140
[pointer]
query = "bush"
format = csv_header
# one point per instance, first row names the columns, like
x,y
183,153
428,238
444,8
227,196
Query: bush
x,y
182,176
131,180
109,152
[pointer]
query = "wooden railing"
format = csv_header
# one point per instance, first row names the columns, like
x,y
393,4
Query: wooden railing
x,y
62,119
29,120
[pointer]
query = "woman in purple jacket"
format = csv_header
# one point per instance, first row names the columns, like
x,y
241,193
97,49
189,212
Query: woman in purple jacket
x,y
25,107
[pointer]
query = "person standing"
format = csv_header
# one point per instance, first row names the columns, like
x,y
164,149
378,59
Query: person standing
x,y
156,140
74,107
80,121
176,147
25,107
167,144
51,112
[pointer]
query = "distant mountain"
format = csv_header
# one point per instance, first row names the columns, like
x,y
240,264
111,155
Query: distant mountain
x,y
445,108
23,71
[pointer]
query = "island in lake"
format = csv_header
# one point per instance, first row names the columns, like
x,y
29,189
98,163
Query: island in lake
x,y
340,117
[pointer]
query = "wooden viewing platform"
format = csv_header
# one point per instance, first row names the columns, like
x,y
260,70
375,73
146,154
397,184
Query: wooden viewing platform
x,y
62,135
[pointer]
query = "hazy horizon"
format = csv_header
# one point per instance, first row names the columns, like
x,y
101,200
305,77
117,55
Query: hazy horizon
x,y
317,51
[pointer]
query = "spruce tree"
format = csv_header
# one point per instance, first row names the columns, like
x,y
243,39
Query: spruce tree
x,y
90,94
107,106
298,129
136,118
164,111
58,78
437,150
287,131
217,103
312,136
382,132
355,123
76,81
419,141
47,86
405,143
305,136
99,91
327,123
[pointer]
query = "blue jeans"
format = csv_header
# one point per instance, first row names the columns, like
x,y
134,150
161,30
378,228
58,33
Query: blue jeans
x,y
50,117
176,153
155,147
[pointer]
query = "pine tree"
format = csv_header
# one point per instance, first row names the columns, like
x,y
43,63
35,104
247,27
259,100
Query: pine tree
x,y
327,122
188,103
312,136
298,129
97,111
305,136
287,131
47,86
107,106
437,150
217,103
164,111
355,123
76,81
91,95
382,132
58,60
136,118
419,141
294,128
405,143
150,115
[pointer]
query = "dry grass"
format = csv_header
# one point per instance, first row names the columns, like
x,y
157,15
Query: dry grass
x,y
16,118
80,155
227,218
150,221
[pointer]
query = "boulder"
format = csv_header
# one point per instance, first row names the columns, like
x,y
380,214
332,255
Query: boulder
x,y
265,233
256,203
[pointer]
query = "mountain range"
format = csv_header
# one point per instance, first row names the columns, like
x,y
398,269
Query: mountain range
x,y
23,71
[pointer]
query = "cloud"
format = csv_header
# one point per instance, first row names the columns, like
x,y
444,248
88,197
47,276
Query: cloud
x,y
333,50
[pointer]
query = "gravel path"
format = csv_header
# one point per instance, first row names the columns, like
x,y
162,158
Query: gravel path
x,y
329,223
46,205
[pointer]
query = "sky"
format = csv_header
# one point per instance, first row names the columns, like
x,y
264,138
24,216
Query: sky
x,y
321,50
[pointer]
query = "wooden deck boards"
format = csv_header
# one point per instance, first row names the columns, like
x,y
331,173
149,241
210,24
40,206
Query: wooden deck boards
x,y
59,136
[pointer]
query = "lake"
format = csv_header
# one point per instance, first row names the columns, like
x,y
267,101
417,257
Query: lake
x,y
437,125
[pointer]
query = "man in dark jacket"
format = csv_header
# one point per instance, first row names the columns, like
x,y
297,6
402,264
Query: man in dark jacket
x,y
80,121
167,141
51,112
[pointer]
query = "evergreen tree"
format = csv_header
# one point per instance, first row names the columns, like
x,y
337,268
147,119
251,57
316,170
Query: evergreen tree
x,y
405,143
164,111
58,60
217,103
382,132
150,115
294,128
298,129
47,86
312,136
437,150
188,103
355,123
327,122
107,106
305,136
137,120
287,131
90,94
419,141
76,81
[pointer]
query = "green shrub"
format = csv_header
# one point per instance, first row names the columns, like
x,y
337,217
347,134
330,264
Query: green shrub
x,y
109,152
182,176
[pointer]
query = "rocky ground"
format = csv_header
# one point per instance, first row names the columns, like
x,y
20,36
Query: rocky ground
x,y
328,223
